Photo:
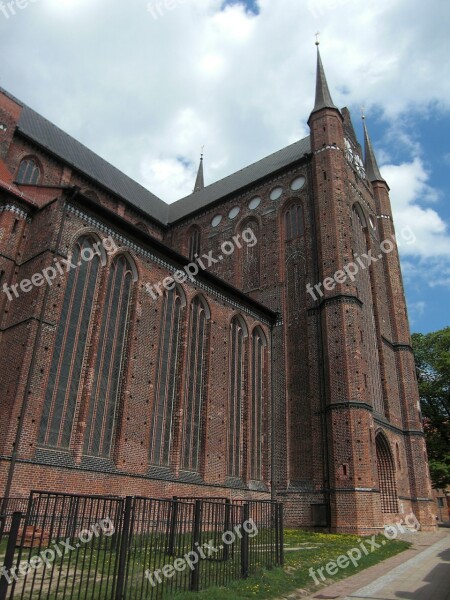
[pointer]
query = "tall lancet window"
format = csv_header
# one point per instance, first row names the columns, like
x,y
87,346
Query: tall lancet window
x,y
64,381
29,172
109,362
195,387
238,334
373,387
259,351
293,222
168,371
193,243
251,259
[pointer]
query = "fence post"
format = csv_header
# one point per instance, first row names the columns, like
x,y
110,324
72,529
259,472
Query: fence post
x,y
124,544
3,511
245,542
10,552
195,575
173,527
281,534
227,527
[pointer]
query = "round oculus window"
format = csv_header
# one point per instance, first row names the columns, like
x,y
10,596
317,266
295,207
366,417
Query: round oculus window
x,y
254,203
234,212
276,193
298,183
216,221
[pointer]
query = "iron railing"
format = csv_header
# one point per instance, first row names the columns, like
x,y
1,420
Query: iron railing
x,y
8,506
66,546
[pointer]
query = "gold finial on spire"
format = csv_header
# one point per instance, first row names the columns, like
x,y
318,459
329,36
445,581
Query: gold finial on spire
x,y
202,151
363,112
317,38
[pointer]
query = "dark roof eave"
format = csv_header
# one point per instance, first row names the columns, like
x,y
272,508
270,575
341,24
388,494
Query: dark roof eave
x,y
230,195
88,177
208,205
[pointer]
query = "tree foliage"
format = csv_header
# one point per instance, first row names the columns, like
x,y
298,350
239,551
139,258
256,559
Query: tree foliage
x,y
432,356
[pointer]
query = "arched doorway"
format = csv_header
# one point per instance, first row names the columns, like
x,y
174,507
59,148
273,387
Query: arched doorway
x,y
386,475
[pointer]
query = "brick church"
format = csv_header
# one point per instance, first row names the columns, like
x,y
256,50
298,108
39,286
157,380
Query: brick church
x,y
126,370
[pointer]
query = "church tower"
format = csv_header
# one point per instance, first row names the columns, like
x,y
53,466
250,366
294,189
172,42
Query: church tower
x,y
371,425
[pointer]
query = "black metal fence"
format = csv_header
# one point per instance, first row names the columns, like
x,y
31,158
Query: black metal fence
x,y
8,506
106,548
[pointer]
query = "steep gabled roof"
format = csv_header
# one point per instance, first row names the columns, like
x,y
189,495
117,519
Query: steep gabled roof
x,y
52,139
72,152
239,180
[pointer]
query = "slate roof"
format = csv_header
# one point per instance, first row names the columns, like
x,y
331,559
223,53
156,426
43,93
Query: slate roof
x,y
53,139
241,179
72,152
372,169
323,96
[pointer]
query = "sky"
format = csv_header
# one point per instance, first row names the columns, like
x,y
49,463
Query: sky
x,y
147,83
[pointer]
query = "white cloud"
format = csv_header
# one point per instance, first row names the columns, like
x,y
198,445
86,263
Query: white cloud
x,y
410,189
118,74
147,93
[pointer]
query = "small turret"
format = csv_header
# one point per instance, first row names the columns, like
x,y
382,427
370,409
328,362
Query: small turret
x,y
200,181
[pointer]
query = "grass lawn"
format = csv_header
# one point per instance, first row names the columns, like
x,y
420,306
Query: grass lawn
x,y
316,550
303,551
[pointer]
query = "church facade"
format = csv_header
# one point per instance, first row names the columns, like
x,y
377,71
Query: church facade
x,y
248,341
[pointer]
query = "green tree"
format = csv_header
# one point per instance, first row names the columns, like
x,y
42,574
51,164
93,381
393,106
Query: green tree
x,y
432,356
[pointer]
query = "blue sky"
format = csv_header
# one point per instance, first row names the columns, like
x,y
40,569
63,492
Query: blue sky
x,y
147,87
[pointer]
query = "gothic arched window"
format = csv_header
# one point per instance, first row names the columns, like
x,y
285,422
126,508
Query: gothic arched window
x,y
28,172
386,475
259,348
194,243
70,345
108,368
195,386
167,378
293,222
238,334
367,324
251,258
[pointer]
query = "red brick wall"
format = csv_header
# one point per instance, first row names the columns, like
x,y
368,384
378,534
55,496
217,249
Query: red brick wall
x,y
324,419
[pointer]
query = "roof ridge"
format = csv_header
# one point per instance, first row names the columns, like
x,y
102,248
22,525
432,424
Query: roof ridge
x,y
92,152
91,165
261,160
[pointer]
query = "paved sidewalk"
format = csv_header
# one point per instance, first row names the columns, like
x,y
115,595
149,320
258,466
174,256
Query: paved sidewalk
x,y
420,573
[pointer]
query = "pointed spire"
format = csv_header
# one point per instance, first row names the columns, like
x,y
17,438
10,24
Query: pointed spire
x,y
200,181
323,96
372,170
